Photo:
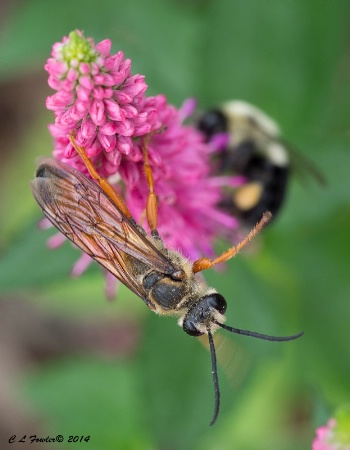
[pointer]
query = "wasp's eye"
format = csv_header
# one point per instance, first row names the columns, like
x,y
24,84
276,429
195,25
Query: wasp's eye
x,y
190,328
217,302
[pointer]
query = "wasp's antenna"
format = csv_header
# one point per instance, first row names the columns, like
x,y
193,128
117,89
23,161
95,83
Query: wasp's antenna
x,y
266,337
214,371
206,263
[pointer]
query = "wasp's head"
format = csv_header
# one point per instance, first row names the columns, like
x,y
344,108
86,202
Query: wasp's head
x,y
204,313
204,317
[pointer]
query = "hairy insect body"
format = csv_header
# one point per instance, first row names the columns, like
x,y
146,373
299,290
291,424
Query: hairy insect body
x,y
169,294
256,151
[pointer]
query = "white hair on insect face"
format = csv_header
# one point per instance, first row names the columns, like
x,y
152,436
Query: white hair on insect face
x,y
240,108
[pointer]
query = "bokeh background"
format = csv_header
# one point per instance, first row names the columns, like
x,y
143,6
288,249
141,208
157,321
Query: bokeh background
x,y
74,364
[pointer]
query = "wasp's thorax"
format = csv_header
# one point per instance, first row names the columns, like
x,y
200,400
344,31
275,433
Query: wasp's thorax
x,y
182,293
166,291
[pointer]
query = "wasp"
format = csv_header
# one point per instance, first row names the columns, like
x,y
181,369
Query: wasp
x,y
256,151
96,219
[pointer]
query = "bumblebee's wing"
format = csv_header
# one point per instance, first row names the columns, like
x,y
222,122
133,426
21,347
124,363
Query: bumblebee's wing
x,y
304,167
82,211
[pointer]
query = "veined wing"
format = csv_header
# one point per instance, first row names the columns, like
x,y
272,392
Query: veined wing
x,y
84,213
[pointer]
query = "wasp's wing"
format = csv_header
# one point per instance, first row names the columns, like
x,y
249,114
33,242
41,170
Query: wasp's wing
x,y
116,262
82,211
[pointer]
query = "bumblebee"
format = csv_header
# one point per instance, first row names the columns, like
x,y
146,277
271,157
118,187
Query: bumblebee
x,y
256,151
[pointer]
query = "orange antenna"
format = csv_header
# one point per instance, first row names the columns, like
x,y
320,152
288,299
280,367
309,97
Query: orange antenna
x,y
206,263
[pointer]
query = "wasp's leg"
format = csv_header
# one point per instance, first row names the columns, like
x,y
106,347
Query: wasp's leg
x,y
206,263
104,184
151,206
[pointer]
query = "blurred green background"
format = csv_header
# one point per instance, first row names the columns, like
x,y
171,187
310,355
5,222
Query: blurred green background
x,y
71,362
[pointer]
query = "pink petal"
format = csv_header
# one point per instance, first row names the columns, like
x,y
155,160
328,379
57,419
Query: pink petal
x,y
109,128
55,131
118,78
94,149
125,128
54,83
87,129
82,107
65,120
98,93
56,240
107,92
57,48
135,89
104,47
94,68
124,144
83,94
143,129
220,141
97,112
129,111
86,82
84,68
113,110
114,159
52,105
130,174
69,150
107,142
81,265
135,154
111,285
104,79
68,85
72,75
122,97
55,68
61,98
117,59
78,111
187,108
44,224
125,67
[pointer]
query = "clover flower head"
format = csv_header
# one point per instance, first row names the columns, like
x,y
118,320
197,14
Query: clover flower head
x,y
97,98
107,109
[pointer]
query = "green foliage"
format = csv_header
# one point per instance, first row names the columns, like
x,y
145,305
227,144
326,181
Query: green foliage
x,y
289,58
